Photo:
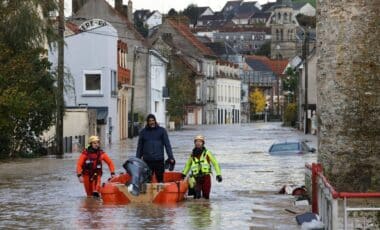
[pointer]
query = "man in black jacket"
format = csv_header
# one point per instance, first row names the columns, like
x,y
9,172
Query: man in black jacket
x,y
150,148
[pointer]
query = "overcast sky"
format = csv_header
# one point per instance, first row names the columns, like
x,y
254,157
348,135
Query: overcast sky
x,y
164,5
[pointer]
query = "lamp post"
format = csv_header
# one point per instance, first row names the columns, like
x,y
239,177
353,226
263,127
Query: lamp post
x,y
135,56
278,47
304,57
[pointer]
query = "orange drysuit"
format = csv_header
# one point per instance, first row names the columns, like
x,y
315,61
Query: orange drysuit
x,y
89,166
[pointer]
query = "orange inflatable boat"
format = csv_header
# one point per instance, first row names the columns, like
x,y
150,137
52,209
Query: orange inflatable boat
x,y
172,190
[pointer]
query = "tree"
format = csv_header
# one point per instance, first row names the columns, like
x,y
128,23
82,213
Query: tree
x,y
291,82
141,28
290,114
27,91
181,87
306,21
192,13
172,12
258,101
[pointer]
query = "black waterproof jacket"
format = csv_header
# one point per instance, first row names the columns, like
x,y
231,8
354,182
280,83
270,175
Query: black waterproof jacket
x,y
151,144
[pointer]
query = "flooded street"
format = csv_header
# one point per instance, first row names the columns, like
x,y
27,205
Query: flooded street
x,y
45,193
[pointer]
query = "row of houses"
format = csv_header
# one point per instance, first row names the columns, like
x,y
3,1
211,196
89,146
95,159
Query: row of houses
x,y
245,27
112,73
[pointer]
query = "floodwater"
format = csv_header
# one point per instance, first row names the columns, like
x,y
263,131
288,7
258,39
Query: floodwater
x,y
45,193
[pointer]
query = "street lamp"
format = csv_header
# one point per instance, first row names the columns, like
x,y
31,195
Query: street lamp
x,y
278,47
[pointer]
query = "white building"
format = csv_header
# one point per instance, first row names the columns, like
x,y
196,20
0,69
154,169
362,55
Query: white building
x,y
228,93
157,84
220,93
91,58
154,19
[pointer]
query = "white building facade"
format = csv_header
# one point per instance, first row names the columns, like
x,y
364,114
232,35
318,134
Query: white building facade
x,y
219,91
91,61
157,84
228,93
154,20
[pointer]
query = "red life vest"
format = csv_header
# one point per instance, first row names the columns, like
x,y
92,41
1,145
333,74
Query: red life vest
x,y
93,164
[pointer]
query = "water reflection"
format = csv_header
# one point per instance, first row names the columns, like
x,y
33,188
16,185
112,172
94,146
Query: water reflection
x,y
91,215
199,213
150,216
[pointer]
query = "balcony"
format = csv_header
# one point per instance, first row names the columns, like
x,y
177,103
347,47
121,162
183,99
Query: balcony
x,y
124,76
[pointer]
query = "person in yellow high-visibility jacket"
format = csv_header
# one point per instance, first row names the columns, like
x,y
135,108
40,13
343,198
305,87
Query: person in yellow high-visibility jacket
x,y
199,163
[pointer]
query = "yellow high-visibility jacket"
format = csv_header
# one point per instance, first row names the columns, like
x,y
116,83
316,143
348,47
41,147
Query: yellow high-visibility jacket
x,y
201,166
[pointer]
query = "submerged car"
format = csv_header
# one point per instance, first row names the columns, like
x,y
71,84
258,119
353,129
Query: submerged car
x,y
290,147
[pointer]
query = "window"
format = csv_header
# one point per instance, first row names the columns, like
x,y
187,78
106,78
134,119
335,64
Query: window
x,y
156,106
119,57
113,84
277,35
92,82
125,59
198,92
241,37
227,37
229,93
219,89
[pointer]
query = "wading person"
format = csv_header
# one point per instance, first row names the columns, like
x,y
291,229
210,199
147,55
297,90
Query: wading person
x,y
150,148
199,163
89,166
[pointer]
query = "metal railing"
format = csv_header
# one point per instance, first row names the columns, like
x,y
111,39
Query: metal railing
x,y
325,199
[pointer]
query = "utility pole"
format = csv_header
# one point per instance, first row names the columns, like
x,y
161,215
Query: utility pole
x,y
249,97
305,54
133,91
60,101
278,80
278,92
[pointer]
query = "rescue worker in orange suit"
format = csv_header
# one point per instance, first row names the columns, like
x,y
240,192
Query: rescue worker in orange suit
x,y
199,163
89,166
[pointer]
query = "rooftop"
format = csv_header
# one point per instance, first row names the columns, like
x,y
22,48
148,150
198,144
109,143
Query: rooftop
x,y
185,31
263,63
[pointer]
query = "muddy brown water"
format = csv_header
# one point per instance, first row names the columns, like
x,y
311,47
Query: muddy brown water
x,y
44,193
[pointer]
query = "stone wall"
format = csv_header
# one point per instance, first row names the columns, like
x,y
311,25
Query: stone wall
x,y
348,80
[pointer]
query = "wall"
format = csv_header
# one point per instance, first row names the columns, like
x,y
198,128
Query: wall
x,y
101,9
157,82
87,52
228,97
349,93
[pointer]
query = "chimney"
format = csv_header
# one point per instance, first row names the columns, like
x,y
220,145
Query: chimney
x,y
130,11
77,5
